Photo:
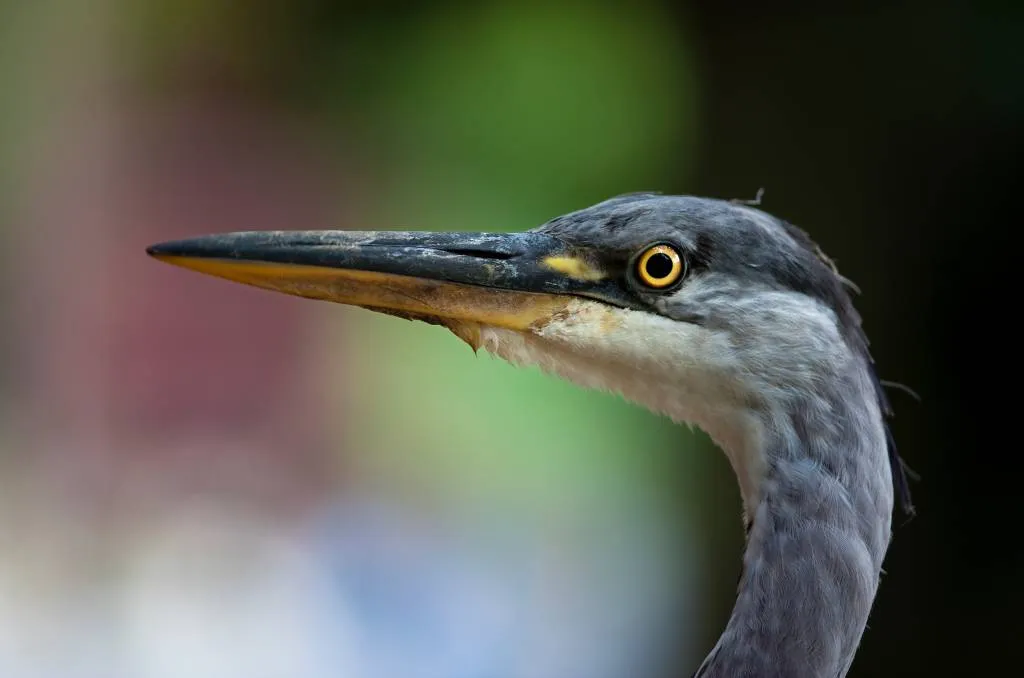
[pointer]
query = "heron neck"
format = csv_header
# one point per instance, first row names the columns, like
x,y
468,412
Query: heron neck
x,y
818,531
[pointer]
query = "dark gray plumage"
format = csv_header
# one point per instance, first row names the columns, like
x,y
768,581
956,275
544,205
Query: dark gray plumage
x,y
819,527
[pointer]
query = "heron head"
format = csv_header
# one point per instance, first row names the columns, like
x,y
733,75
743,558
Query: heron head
x,y
661,298
708,311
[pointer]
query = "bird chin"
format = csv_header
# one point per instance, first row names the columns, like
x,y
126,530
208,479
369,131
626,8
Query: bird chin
x,y
495,316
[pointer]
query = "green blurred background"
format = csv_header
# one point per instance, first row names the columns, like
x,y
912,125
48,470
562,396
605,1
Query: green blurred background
x,y
200,479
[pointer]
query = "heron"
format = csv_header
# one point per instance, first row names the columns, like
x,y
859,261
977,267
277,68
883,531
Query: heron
x,y
712,312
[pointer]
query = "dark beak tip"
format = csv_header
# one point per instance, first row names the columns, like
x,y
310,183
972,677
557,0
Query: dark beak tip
x,y
168,249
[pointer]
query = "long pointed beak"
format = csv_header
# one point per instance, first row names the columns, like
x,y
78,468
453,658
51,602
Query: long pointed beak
x,y
516,281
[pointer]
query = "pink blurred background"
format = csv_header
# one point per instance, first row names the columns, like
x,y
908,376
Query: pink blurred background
x,y
199,482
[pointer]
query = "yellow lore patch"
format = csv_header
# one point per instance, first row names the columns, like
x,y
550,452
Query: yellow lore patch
x,y
574,268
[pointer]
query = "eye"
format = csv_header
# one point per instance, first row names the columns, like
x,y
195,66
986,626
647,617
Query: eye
x,y
660,266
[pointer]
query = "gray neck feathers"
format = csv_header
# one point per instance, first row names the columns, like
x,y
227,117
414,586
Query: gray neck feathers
x,y
817,536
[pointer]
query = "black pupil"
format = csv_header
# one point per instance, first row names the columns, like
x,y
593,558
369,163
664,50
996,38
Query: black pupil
x,y
659,265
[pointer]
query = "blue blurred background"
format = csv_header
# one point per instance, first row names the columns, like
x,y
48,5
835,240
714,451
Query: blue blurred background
x,y
201,479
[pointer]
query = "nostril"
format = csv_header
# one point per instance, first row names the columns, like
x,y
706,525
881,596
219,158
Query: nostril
x,y
480,253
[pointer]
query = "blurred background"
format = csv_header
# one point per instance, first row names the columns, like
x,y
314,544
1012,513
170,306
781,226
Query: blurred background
x,y
201,479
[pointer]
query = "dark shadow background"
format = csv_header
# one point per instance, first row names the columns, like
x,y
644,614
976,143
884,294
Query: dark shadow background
x,y
895,134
